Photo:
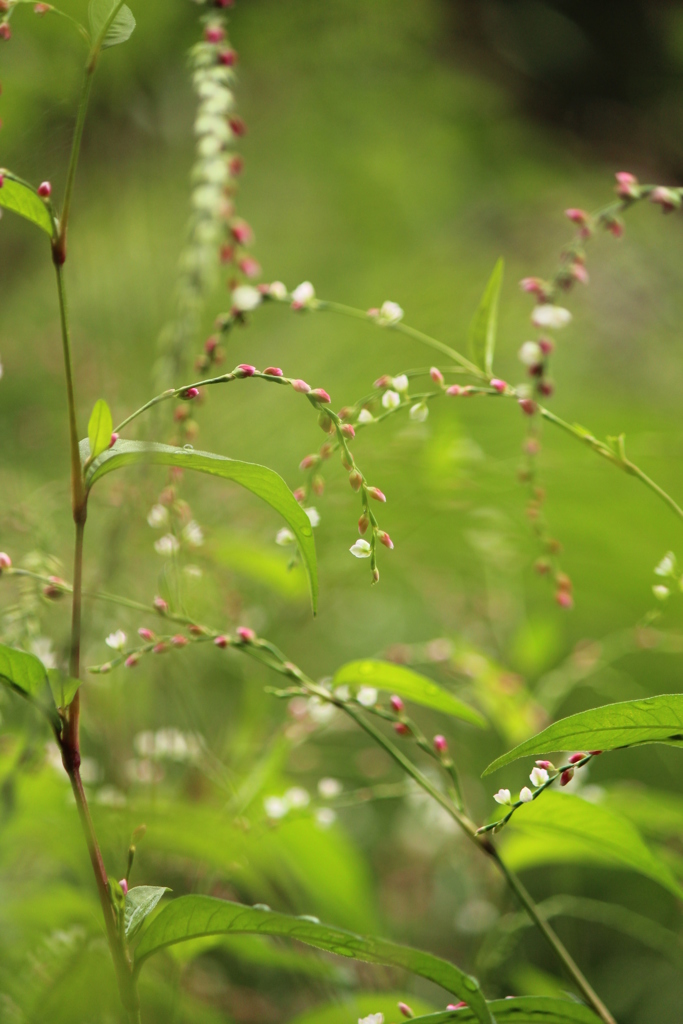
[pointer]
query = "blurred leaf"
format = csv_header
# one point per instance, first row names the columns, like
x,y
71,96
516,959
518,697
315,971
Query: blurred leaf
x,y
140,902
260,480
100,428
21,197
656,813
503,694
563,828
361,1004
260,953
633,722
23,672
120,29
264,564
63,688
193,916
385,675
522,1010
482,334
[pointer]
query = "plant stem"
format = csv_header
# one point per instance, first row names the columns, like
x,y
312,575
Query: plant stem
x,y
78,496
60,245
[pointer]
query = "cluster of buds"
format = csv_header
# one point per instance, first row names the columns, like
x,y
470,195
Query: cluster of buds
x,y
667,570
173,516
152,642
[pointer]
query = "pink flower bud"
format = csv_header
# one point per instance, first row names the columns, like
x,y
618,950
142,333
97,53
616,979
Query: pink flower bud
x,y
159,648
567,776
347,430
326,451
383,382
548,765
145,633
405,1010
460,1005
5,31
132,660
402,729
535,286
114,438
221,641
614,225
438,378
308,461
454,390
498,385
214,34
246,634
250,267
527,405
374,492
576,757
440,744
301,386
546,387
355,479
299,494
594,753
273,371
228,58
318,485
375,575
579,273
45,190
124,885
363,523
396,703
179,640
546,345
244,370
5,561
320,395
238,126
666,198
210,345
579,217
384,538
2,179
188,394
42,8
627,185
242,232
564,599
160,605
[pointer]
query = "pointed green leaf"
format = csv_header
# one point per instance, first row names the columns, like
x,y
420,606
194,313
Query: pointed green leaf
x,y
21,197
63,688
260,480
23,672
632,722
482,334
561,828
192,916
522,1010
100,428
385,675
118,30
140,902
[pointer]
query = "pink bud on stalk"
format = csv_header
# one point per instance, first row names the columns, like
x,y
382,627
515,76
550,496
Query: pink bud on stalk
x,y
666,198
320,395
567,777
383,382
374,492
308,462
5,31
244,370
246,634
273,371
396,703
5,561
384,538
548,765
301,386
527,405
438,378
299,494
188,394
355,479
145,633
627,185
440,744
242,233
347,430
179,640
2,179
228,58
160,605
454,390
363,523
221,641
460,1005
113,440
250,267
214,34
159,648
405,1010
564,599
402,729
579,217
498,385
238,126
576,757
546,345
375,575
124,886
45,190
132,660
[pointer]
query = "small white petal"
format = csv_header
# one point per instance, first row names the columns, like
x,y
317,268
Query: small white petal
x,y
158,516
367,696
325,817
530,353
365,416
343,693
277,290
313,516
390,313
297,797
303,294
502,796
329,788
526,796
193,534
284,537
661,592
361,549
245,298
401,383
551,316
373,1018
419,413
391,400
275,807
117,640
167,545
667,565
539,776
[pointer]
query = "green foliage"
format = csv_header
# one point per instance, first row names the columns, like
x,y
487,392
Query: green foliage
x,y
100,427
523,1010
116,30
385,675
260,480
23,672
560,828
22,198
63,687
193,916
629,724
140,902
484,326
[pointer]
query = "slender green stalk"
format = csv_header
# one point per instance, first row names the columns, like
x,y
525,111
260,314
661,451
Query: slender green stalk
x,y
60,245
77,485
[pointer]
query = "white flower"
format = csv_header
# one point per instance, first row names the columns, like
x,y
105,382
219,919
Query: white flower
x,y
193,534
525,795
401,382
284,537
158,516
320,710
166,545
502,796
391,400
343,693
313,516
297,797
277,290
42,648
419,413
117,640
275,807
325,817
530,353
390,313
303,295
539,776
367,696
329,788
361,549
373,1018
365,416
547,315
661,592
667,565
245,298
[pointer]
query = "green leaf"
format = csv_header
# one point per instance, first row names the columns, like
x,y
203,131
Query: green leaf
x,y
140,902
21,197
260,480
385,675
482,334
100,428
22,672
119,30
192,916
632,722
523,1010
63,688
561,828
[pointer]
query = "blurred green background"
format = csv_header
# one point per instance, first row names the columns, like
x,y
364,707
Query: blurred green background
x,y
395,151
